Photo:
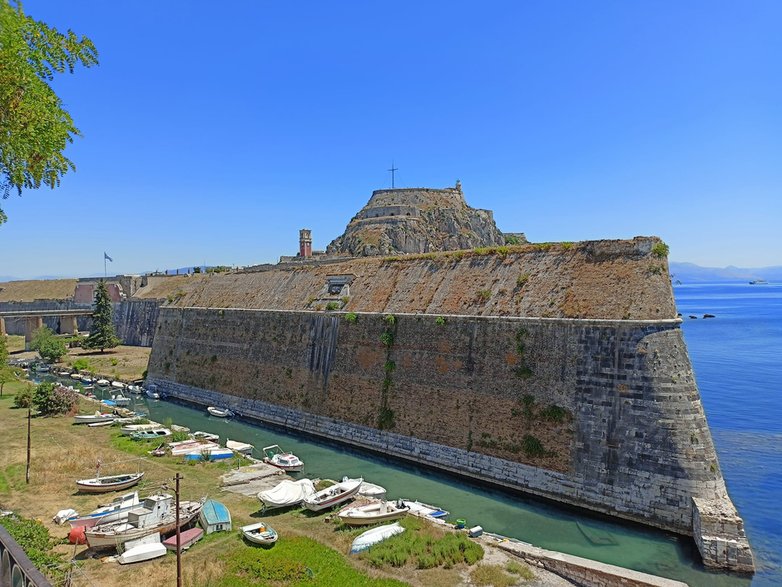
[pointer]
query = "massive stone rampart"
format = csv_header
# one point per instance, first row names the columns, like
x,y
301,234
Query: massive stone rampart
x,y
566,376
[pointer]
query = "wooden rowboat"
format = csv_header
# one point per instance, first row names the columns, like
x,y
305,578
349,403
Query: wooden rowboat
x,y
110,483
260,533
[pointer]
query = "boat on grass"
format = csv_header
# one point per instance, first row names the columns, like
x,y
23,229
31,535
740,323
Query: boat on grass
x,y
423,509
93,418
260,533
111,483
215,517
210,454
117,509
129,429
151,434
281,459
184,447
219,412
370,489
144,549
186,539
286,493
156,515
334,495
373,513
240,447
100,424
375,535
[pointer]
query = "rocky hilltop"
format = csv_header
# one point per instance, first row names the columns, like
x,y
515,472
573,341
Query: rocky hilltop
x,y
416,220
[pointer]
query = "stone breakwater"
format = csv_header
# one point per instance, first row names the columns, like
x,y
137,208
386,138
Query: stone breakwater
x,y
601,414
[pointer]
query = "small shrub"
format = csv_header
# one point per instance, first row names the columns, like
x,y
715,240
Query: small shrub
x,y
385,419
389,319
51,400
512,240
532,446
660,250
553,413
24,398
520,569
114,362
81,364
331,306
566,246
491,575
484,295
387,338
440,321
351,317
344,300
389,366
522,280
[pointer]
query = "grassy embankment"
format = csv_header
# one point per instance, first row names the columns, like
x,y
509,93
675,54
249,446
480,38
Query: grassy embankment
x,y
309,552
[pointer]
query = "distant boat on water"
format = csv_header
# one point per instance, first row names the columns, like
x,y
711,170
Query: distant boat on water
x,y
758,282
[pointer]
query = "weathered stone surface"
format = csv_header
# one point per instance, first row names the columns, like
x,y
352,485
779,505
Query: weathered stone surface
x,y
416,220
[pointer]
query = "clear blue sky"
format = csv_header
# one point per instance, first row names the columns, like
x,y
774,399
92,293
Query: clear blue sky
x,y
214,131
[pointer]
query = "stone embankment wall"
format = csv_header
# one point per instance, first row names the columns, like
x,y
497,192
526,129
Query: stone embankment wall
x,y
601,414
135,321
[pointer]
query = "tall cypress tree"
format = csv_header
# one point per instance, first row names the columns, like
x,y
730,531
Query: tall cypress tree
x,y
102,334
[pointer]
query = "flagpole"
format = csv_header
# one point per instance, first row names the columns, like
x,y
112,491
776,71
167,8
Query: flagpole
x,y
104,266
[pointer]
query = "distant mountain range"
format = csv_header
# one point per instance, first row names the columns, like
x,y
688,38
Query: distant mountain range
x,y
691,273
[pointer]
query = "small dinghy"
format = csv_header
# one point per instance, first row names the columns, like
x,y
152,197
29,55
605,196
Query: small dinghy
x,y
373,513
120,400
99,424
93,418
151,434
102,382
239,447
142,552
334,495
286,493
260,533
219,412
424,509
287,461
370,490
110,483
118,385
375,535
151,394
200,435
187,538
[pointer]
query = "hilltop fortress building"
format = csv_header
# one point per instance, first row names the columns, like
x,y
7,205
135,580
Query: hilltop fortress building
x,y
556,369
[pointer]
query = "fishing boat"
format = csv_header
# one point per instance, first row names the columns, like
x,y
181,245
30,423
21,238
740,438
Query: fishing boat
x,y
135,389
210,454
111,483
370,490
151,434
286,461
331,496
86,379
111,512
186,539
286,493
155,516
92,418
102,382
152,394
120,400
219,412
373,513
75,376
260,533
118,385
239,447
200,435
375,535
422,509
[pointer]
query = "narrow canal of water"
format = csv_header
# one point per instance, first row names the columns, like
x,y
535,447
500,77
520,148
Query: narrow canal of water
x,y
530,520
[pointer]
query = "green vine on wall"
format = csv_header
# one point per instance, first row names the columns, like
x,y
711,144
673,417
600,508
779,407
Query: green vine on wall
x,y
385,417
522,370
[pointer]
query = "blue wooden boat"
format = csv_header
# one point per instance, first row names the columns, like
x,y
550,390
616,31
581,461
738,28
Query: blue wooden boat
x,y
215,517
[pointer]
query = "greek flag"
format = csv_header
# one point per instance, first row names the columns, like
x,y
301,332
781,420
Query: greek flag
x,y
105,256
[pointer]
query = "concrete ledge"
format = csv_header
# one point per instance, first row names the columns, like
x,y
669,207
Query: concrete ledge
x,y
581,571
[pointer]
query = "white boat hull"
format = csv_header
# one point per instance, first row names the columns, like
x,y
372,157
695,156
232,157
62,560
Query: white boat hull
x,y
143,552
260,533
373,513
375,535
334,495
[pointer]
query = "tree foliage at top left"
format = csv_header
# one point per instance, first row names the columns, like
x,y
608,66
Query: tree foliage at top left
x,y
34,126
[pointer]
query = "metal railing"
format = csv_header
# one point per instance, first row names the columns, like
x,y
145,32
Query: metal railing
x,y
16,570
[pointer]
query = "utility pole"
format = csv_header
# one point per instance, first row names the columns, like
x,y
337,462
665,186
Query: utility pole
x,y
27,472
178,536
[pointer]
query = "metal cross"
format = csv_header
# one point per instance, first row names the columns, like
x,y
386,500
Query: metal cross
x,y
392,170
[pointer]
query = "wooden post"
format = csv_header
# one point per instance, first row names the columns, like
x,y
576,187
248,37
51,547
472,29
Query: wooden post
x,y
178,537
27,472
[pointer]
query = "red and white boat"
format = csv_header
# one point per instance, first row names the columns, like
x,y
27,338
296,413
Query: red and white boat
x,y
281,459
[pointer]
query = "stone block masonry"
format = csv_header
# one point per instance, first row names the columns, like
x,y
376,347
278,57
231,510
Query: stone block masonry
x,y
601,414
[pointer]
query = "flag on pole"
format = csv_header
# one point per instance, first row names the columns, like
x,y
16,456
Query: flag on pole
x,y
105,256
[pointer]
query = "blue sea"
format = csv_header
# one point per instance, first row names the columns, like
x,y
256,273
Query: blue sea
x,y
737,358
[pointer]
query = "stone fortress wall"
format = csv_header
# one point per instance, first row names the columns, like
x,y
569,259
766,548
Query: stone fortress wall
x,y
509,364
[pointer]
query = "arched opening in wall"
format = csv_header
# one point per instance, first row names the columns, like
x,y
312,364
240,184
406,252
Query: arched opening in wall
x,y
408,213
392,213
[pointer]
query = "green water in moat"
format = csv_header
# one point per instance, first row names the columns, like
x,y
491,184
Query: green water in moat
x,y
542,524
